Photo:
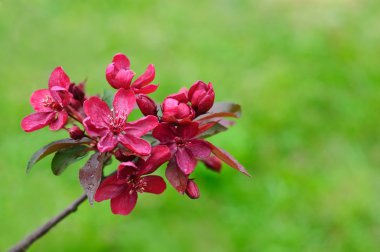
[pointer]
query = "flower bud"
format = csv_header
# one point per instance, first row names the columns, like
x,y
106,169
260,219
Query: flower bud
x,y
146,105
77,91
192,189
76,133
201,97
118,73
175,108
122,156
213,163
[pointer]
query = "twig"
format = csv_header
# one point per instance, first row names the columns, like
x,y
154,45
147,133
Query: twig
x,y
41,231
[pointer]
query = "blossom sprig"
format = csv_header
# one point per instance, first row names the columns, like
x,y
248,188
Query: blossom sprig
x,y
172,132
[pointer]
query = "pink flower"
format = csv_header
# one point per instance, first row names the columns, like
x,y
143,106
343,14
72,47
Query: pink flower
x,y
111,126
130,179
176,109
49,104
119,75
183,143
201,97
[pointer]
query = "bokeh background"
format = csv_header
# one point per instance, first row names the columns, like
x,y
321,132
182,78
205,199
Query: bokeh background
x,y
306,73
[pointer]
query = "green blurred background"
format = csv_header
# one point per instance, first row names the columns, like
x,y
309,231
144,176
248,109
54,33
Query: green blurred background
x,y
306,74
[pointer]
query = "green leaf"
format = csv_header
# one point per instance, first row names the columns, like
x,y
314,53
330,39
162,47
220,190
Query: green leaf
x,y
53,147
91,175
65,157
108,97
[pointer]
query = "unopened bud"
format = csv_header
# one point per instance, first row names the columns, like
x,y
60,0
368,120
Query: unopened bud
x,y
122,157
192,189
76,133
213,163
146,105
201,97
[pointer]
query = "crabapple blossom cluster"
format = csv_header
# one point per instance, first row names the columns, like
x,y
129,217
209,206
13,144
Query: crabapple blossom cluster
x,y
172,132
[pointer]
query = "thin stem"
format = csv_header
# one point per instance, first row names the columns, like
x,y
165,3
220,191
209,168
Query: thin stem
x,y
42,230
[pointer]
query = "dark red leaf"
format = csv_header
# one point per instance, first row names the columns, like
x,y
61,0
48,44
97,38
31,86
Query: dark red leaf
x,y
176,178
91,174
53,147
228,159
222,109
213,130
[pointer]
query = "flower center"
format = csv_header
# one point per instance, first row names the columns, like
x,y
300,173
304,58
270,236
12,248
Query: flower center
x,y
117,122
180,142
49,102
136,184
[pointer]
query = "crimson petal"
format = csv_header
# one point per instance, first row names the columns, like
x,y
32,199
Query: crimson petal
x,y
160,154
59,78
97,110
60,121
188,131
121,61
153,184
126,169
124,203
176,178
37,121
124,102
108,189
123,78
136,145
185,160
140,127
164,132
200,148
146,78
38,99
147,89
107,143
92,130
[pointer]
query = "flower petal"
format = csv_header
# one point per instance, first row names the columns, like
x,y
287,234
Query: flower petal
x,y
188,131
124,203
126,169
60,121
37,121
108,189
147,89
97,110
124,102
59,78
146,78
159,155
123,78
185,160
107,143
164,132
199,148
38,98
92,130
121,61
176,178
153,184
136,145
140,127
